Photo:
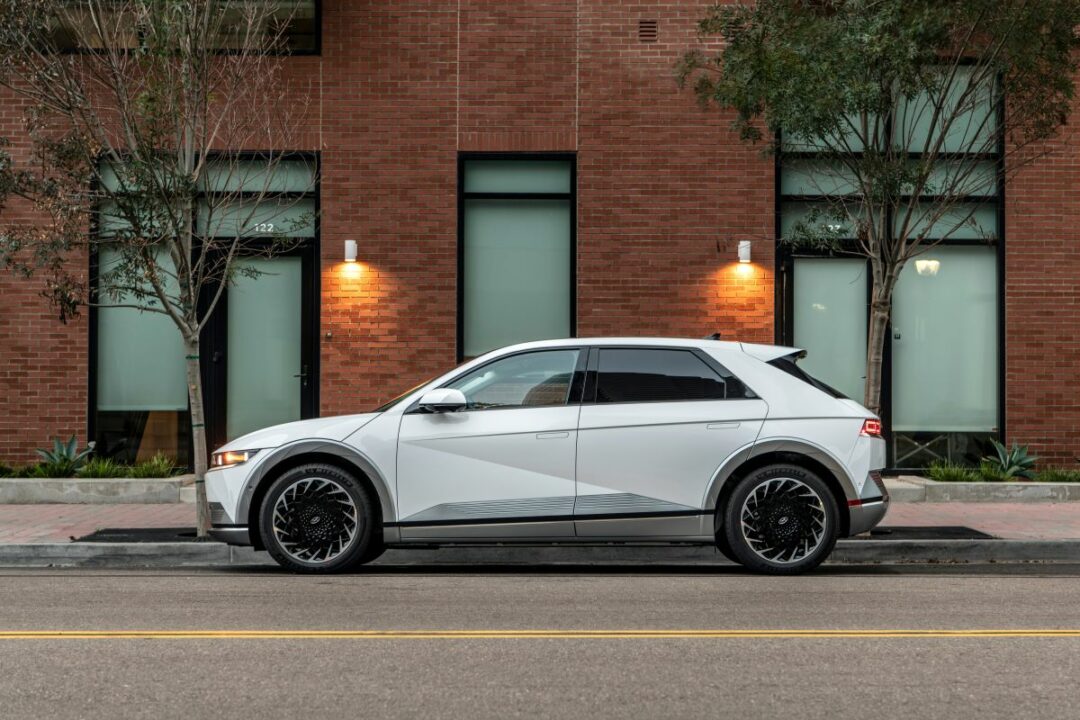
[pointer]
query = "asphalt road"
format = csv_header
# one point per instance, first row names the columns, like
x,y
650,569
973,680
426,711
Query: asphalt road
x,y
555,642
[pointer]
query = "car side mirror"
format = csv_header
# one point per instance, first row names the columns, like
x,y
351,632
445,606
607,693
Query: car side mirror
x,y
443,400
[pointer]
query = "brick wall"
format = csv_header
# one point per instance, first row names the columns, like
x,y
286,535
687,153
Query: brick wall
x,y
665,191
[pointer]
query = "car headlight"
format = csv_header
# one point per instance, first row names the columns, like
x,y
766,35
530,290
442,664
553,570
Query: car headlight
x,y
228,458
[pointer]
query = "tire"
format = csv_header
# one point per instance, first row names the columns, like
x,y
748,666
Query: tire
x,y
791,520
325,522
724,547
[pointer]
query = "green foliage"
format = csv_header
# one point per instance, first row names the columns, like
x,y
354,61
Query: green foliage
x,y
159,466
1009,463
6,471
945,471
817,69
103,468
1058,475
63,460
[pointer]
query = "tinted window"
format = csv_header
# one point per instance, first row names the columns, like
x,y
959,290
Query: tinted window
x,y
662,375
528,380
788,365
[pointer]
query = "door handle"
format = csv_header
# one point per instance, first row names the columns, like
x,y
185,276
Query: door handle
x,y
303,374
722,426
552,435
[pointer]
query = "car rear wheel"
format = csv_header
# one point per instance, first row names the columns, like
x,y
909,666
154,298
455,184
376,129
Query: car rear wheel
x,y
317,518
781,520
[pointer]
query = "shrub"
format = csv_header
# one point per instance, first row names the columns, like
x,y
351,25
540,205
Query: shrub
x,y
1009,464
103,468
945,471
1058,475
6,471
63,460
159,466
992,472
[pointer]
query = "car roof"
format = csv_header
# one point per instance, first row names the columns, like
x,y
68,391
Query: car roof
x,y
762,352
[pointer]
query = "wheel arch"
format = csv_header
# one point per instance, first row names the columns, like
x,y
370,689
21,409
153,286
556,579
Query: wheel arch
x,y
789,451
293,455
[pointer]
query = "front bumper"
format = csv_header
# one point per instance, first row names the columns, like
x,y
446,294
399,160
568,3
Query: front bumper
x,y
223,529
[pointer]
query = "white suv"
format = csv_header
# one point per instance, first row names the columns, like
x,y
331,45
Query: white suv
x,y
607,440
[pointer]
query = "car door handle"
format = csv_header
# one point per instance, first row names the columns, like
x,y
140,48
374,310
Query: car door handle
x,y
722,426
552,435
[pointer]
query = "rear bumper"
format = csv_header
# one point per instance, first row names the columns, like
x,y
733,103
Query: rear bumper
x,y
866,514
231,534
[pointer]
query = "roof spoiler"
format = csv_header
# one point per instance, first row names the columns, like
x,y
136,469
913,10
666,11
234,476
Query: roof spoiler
x,y
766,353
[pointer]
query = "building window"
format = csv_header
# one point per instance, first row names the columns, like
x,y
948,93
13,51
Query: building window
x,y
295,22
258,339
943,356
516,264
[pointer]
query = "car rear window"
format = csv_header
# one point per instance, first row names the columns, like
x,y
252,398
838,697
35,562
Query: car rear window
x,y
788,365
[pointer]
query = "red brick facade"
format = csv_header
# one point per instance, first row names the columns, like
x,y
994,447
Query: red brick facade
x,y
664,192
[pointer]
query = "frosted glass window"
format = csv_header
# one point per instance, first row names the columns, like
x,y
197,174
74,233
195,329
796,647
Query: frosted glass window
x,y
830,321
966,221
286,218
264,347
517,272
256,176
517,176
945,361
792,213
972,130
140,355
815,177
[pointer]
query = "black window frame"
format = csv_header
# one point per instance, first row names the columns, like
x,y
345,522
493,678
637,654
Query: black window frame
x,y
462,196
314,51
214,337
593,371
784,266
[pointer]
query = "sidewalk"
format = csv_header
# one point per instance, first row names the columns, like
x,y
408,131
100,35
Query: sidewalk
x,y
1013,521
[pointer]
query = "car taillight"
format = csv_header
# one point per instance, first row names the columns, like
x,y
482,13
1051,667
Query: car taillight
x,y
871,428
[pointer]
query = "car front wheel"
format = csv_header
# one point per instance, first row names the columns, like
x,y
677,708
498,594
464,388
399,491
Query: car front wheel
x,y
781,520
317,518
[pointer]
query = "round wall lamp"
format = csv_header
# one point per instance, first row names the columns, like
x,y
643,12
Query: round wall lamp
x,y
350,251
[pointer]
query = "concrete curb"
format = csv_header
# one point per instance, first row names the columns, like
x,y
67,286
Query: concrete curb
x,y
848,552
116,491
908,489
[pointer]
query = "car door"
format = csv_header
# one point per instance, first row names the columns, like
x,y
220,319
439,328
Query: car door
x,y
503,466
656,424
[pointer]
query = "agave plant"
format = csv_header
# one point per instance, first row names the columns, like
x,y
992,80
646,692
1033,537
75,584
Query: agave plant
x,y
1011,463
64,459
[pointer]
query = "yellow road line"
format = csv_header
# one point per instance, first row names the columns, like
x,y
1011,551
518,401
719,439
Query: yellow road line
x,y
517,634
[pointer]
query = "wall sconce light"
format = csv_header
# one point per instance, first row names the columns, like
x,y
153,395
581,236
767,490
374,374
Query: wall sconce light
x,y
350,251
744,251
927,267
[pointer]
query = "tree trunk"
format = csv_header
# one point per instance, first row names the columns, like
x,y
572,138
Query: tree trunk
x,y
875,350
198,435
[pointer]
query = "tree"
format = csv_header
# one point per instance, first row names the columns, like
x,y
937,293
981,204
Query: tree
x,y
135,111
892,107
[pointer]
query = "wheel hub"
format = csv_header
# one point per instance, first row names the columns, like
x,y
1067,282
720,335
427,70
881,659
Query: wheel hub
x,y
783,520
315,520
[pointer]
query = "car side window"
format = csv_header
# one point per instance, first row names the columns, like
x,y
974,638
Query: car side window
x,y
662,375
535,379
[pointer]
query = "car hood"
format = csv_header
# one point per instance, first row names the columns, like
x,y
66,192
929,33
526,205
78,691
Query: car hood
x,y
331,428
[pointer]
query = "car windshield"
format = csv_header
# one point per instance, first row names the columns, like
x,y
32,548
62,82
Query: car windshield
x,y
788,365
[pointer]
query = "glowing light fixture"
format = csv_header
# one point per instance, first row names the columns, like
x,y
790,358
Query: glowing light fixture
x,y
744,251
350,251
927,267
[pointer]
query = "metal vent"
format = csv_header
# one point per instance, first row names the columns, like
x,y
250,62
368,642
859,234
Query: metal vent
x,y
648,30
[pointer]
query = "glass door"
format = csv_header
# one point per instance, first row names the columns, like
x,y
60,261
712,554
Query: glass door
x,y
265,364
263,344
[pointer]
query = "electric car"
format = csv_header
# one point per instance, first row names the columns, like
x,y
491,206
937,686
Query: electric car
x,y
576,441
